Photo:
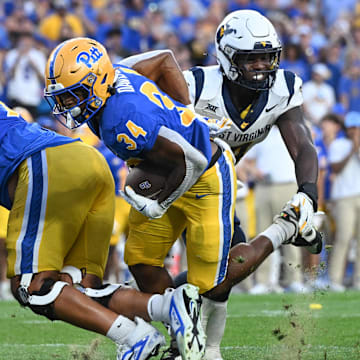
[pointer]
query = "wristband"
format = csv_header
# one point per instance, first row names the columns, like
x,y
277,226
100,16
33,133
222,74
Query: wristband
x,y
310,189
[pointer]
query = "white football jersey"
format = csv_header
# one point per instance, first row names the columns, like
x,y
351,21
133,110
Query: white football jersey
x,y
212,99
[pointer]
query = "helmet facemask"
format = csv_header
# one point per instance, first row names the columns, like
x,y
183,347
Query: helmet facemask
x,y
241,70
84,103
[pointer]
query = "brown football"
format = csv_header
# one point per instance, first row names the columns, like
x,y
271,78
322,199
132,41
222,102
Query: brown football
x,y
146,179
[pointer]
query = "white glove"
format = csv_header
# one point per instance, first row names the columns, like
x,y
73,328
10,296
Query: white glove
x,y
288,220
148,207
311,239
304,205
217,127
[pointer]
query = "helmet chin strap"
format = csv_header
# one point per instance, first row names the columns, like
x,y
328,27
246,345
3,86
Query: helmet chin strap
x,y
233,73
69,121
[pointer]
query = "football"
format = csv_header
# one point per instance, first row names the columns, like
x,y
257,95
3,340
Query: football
x,y
146,179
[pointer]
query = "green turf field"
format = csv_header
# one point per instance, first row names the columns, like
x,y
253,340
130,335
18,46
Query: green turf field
x,y
279,327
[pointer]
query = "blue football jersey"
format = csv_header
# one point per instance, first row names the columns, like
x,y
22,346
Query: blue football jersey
x,y
18,141
133,116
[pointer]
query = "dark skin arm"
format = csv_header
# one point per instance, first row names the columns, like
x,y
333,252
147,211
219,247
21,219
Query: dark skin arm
x,y
168,155
165,71
298,141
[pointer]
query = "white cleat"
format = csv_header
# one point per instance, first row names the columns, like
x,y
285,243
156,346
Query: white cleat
x,y
185,322
142,344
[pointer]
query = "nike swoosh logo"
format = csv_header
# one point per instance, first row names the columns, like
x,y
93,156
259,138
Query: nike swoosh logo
x,y
201,196
269,109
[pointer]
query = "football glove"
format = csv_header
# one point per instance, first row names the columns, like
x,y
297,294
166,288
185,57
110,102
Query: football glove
x,y
312,240
148,207
217,127
304,206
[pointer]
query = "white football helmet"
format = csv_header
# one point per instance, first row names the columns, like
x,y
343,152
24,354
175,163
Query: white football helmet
x,y
241,37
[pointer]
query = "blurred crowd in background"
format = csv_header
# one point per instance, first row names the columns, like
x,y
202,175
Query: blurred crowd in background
x,y
321,43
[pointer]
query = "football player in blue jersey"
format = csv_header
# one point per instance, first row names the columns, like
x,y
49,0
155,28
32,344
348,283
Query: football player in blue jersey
x,y
247,87
139,122
60,193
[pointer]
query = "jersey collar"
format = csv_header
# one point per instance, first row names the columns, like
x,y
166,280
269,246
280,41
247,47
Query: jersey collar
x,y
248,116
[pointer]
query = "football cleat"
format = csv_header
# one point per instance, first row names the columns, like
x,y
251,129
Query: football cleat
x,y
184,314
142,344
172,352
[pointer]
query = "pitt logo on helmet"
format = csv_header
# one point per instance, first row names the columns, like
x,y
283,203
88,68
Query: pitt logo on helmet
x,y
89,59
79,75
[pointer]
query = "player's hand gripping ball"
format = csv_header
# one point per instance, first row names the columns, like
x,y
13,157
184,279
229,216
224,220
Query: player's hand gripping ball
x,y
146,180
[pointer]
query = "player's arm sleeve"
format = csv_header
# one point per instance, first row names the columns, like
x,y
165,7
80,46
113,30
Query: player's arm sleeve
x,y
195,164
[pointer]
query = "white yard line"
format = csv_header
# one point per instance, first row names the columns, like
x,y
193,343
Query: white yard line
x,y
42,345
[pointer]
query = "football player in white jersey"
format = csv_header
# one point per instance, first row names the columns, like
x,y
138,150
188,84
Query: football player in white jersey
x,y
247,87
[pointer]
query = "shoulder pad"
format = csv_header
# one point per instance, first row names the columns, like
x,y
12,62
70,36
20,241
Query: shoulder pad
x,y
203,81
287,83
213,80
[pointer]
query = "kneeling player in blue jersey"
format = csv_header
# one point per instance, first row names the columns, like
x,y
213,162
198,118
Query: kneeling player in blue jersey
x,y
60,193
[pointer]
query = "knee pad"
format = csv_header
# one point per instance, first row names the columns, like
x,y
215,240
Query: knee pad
x,y
40,302
103,294
75,273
